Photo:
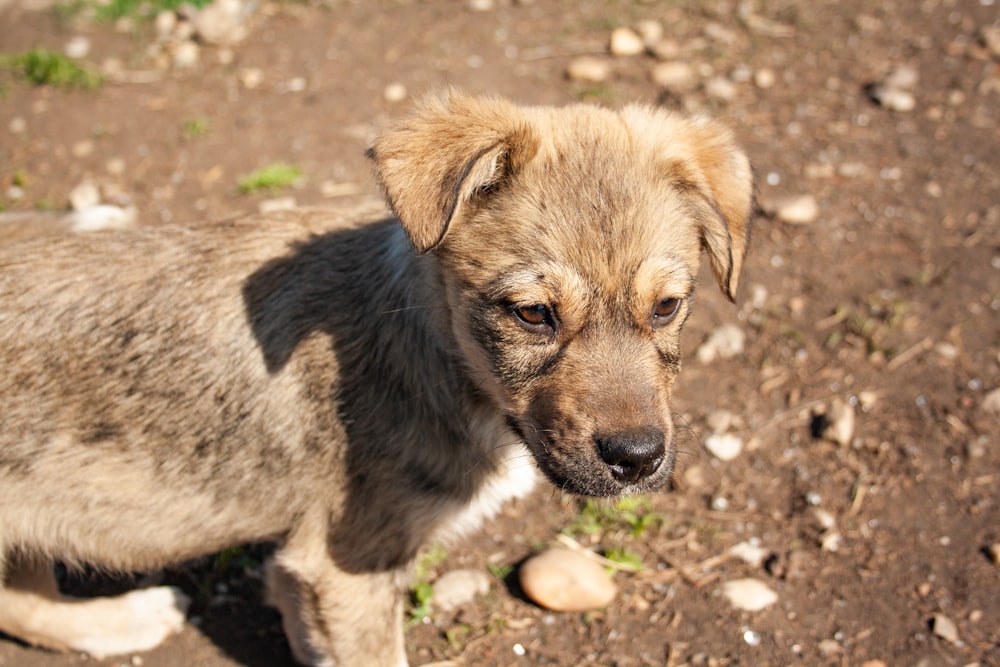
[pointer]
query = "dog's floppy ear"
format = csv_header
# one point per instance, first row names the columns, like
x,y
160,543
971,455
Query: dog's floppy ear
x,y
702,157
435,164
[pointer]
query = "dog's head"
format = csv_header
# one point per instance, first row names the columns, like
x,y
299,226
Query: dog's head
x,y
570,240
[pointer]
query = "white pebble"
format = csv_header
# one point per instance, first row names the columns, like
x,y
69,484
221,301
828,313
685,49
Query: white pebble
x,y
720,421
394,92
665,49
564,580
99,217
751,554
164,24
17,125
481,5
650,30
724,446
459,587
720,88
251,77
749,594
625,42
674,76
902,78
991,402
186,55
220,22
724,342
589,69
990,35
995,553
945,628
894,99
839,423
276,204
78,47
84,195
798,210
764,78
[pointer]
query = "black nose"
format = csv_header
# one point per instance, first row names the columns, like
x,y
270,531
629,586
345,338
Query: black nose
x,y
632,455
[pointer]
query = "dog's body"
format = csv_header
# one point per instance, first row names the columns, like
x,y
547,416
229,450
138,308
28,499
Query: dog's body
x,y
307,378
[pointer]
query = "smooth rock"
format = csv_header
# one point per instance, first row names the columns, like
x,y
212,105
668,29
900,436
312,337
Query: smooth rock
x,y
78,47
750,553
459,587
17,125
625,42
394,92
186,55
720,88
724,446
720,421
564,580
220,22
84,195
749,594
589,69
764,78
902,78
991,402
945,628
481,5
102,217
724,342
797,210
650,30
276,204
676,77
894,99
164,24
839,423
990,36
995,553
665,49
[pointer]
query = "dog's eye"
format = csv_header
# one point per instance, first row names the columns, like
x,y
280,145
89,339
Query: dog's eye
x,y
534,318
665,311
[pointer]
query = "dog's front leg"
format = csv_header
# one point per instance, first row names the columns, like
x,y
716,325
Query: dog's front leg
x,y
336,619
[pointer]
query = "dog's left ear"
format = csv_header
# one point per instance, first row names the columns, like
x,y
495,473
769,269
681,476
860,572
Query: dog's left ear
x,y
701,157
453,151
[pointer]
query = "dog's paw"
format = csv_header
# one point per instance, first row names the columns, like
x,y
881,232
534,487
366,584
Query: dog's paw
x,y
136,621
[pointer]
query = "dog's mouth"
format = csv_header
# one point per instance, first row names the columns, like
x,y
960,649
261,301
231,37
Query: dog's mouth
x,y
622,462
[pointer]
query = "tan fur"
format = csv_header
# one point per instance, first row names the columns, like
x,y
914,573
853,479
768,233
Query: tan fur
x,y
306,378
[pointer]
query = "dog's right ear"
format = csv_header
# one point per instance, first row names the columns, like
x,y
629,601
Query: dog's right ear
x,y
454,150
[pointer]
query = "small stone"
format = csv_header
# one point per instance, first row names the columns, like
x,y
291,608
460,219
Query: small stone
x,y
650,30
186,55
995,553
276,204
990,36
102,217
720,421
749,594
84,195
946,351
564,580
797,210
164,24
82,149
115,166
394,92
481,5
724,342
724,446
720,88
873,663
839,423
894,99
665,49
589,69
764,78
17,125
251,77
752,554
830,648
459,587
220,22
902,78
676,77
625,42
78,47
991,402
945,628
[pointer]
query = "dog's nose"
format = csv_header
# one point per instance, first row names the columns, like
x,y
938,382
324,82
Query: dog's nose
x,y
632,455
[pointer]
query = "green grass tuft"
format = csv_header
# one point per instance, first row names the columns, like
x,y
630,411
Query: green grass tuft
x,y
48,68
272,177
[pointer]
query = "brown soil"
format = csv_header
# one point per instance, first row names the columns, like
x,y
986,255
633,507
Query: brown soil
x,y
888,301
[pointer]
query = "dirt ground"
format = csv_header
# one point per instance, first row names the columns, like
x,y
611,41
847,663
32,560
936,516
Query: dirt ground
x,y
886,301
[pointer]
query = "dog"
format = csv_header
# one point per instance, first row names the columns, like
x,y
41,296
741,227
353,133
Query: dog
x,y
353,386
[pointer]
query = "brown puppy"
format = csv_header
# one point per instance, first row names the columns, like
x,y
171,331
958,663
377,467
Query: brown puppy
x,y
307,378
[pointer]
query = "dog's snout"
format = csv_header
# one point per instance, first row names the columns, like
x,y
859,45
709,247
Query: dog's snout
x,y
633,455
